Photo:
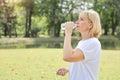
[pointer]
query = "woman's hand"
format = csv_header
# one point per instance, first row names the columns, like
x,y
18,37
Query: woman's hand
x,y
69,28
62,71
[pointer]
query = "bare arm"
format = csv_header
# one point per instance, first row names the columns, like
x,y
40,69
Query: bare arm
x,y
69,54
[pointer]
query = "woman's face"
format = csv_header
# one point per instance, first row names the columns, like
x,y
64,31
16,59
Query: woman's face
x,y
83,25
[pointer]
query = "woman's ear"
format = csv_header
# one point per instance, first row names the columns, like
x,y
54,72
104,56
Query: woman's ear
x,y
90,25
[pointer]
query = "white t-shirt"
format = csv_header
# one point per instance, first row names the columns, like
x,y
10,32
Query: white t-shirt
x,y
88,68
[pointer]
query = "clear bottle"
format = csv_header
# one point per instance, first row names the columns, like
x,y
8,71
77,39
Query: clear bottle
x,y
63,26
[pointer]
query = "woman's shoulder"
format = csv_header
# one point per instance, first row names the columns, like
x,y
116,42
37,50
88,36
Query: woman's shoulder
x,y
90,41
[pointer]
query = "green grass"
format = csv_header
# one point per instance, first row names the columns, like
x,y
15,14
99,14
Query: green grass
x,y
110,65
41,64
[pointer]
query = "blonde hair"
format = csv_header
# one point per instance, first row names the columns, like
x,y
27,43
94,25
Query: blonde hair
x,y
94,18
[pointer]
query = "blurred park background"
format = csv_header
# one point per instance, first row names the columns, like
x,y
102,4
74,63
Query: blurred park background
x,y
36,23
30,37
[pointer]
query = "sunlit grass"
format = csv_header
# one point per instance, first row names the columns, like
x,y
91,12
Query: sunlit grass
x,y
30,64
110,64
41,64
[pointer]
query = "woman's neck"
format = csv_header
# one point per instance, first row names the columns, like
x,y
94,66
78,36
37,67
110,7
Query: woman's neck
x,y
86,36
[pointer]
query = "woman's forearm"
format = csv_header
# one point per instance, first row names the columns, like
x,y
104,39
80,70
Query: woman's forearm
x,y
67,48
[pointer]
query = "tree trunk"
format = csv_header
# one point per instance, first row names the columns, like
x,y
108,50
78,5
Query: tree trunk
x,y
15,31
5,29
53,23
26,25
10,30
57,31
30,20
105,30
114,22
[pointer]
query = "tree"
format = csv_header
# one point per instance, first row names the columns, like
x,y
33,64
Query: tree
x,y
109,13
1,16
8,17
29,8
51,10
57,12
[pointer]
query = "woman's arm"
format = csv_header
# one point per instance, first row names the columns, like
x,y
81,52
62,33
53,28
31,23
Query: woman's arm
x,y
69,54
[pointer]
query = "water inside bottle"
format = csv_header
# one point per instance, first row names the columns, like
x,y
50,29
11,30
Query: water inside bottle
x,y
63,26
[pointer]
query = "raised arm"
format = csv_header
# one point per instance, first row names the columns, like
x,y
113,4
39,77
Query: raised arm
x,y
69,54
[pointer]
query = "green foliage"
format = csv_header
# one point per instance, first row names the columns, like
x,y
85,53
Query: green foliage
x,y
118,32
57,12
39,25
7,18
109,13
29,13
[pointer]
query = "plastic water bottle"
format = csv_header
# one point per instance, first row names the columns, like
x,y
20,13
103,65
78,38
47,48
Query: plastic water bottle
x,y
63,26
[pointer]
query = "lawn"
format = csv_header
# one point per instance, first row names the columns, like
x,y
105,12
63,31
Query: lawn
x,y
42,63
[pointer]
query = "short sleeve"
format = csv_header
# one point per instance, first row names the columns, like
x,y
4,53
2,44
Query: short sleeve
x,y
91,50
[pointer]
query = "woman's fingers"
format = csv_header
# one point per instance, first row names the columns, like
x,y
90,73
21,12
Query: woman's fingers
x,y
61,72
